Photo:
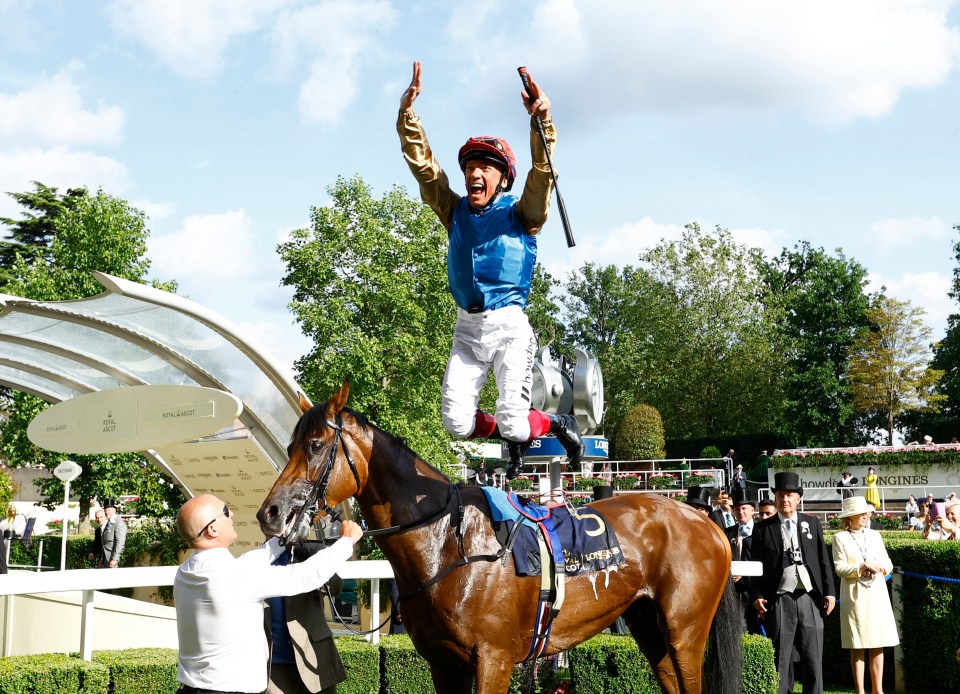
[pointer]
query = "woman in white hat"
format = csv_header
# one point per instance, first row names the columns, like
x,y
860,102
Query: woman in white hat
x,y
866,616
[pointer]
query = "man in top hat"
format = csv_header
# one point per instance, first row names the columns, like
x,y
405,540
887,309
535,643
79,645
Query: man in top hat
x,y
113,537
699,498
796,589
739,479
740,536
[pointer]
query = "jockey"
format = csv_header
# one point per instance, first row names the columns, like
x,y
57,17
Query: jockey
x,y
490,260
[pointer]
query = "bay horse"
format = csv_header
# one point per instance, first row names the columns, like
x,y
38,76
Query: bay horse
x,y
473,620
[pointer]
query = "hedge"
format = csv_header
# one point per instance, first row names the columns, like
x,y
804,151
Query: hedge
x,y
602,664
54,673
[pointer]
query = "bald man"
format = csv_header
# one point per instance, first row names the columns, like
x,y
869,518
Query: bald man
x,y
219,598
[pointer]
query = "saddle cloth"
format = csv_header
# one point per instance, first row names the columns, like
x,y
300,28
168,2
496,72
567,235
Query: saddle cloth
x,y
587,542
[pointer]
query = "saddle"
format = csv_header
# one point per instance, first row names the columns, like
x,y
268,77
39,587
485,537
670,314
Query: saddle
x,y
553,542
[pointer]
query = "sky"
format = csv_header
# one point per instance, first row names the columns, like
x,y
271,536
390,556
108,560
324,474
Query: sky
x,y
836,123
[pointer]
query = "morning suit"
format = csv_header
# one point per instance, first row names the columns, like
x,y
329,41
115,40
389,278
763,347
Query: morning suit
x,y
317,666
112,540
793,618
740,547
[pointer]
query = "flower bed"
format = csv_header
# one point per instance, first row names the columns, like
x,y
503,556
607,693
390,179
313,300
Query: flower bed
x,y
625,481
662,481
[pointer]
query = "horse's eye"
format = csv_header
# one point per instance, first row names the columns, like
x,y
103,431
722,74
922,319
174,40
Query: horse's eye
x,y
316,445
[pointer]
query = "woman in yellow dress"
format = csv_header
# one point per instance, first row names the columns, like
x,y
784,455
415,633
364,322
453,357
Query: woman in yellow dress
x,y
872,494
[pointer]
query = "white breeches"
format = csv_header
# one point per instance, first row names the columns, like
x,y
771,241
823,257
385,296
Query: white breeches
x,y
502,340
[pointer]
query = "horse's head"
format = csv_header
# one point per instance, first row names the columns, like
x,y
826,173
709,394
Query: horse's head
x,y
327,463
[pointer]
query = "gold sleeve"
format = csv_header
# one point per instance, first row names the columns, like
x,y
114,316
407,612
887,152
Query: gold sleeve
x,y
434,185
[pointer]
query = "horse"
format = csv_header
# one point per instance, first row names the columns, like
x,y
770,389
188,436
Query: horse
x,y
472,618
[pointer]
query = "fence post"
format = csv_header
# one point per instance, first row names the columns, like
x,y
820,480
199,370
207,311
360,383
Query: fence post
x,y
896,585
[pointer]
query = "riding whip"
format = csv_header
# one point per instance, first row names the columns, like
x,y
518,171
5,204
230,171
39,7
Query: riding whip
x,y
543,138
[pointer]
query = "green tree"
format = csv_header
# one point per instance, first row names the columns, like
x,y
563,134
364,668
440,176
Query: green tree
x,y
889,368
944,424
84,233
819,303
32,234
640,435
370,288
686,333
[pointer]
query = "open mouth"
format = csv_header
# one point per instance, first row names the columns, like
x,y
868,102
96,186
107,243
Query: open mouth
x,y
289,528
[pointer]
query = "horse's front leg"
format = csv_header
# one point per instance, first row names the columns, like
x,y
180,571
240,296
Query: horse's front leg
x,y
452,678
493,675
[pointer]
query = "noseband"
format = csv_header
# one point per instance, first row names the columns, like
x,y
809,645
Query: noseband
x,y
318,492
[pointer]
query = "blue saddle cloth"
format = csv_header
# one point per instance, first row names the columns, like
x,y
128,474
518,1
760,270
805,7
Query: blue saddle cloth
x,y
586,542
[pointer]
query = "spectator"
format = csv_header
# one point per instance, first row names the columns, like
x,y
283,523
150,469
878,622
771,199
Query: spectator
x,y
910,508
928,440
96,551
113,536
5,536
949,524
303,656
739,479
219,597
731,461
396,619
766,508
846,484
722,515
491,255
796,589
739,535
872,494
867,624
918,520
950,498
699,498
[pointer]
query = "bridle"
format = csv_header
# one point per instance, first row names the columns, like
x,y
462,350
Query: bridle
x,y
318,492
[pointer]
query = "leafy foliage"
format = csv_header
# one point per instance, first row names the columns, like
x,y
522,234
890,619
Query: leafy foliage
x,y
370,289
83,233
889,369
819,304
640,436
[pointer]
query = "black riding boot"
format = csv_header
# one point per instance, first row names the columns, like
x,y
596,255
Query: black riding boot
x,y
567,431
516,450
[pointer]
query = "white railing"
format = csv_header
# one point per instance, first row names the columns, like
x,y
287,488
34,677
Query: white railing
x,y
87,581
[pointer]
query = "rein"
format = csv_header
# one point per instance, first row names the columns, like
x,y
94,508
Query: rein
x,y
319,489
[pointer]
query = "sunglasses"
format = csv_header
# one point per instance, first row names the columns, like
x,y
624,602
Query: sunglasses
x,y
225,512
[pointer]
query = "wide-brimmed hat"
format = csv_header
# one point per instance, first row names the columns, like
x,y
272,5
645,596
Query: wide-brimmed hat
x,y
854,506
787,482
740,498
699,496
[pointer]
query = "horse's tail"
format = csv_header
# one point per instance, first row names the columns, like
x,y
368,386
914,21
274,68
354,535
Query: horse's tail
x,y
725,659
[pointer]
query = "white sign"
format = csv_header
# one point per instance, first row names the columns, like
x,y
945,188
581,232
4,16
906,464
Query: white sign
x,y
820,483
67,471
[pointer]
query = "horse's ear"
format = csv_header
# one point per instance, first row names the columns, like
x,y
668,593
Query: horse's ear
x,y
338,400
305,403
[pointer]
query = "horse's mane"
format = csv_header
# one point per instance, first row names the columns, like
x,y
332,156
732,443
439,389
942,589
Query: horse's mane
x,y
314,421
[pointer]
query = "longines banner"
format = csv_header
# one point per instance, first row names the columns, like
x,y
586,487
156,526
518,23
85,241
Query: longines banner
x,y
820,484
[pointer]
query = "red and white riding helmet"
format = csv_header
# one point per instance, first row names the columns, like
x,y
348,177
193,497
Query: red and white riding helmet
x,y
491,149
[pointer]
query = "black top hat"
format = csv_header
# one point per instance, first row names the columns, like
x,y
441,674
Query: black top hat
x,y
740,498
787,482
698,496
107,503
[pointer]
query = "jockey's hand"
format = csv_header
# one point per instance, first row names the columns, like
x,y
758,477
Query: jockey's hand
x,y
413,91
351,530
760,605
536,102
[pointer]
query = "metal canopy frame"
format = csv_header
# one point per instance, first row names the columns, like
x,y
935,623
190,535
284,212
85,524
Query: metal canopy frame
x,y
134,334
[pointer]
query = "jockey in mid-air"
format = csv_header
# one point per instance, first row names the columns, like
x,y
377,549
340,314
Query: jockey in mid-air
x,y
490,260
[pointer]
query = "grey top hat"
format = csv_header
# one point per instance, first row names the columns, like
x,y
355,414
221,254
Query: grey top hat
x,y
699,496
787,482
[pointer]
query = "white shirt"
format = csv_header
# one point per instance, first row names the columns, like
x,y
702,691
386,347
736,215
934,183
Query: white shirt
x,y
219,597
